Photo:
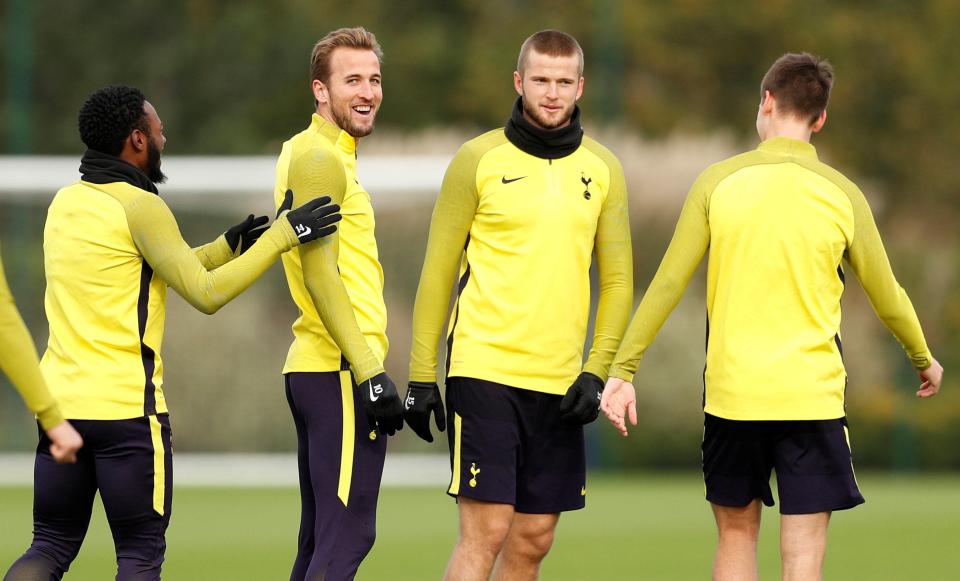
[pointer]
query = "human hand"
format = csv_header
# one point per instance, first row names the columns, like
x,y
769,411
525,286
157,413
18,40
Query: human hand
x,y
931,378
619,400
382,405
65,441
246,233
581,404
422,399
313,220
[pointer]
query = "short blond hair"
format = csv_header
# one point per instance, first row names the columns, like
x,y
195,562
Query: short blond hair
x,y
551,43
358,38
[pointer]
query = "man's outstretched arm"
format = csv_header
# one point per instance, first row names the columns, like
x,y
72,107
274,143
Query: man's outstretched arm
x,y
157,236
685,252
232,243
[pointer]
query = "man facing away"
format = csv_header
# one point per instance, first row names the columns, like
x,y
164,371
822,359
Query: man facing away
x,y
521,211
18,360
778,223
111,248
342,401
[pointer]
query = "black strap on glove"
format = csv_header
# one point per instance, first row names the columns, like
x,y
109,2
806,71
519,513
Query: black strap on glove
x,y
381,402
581,405
246,233
313,220
422,399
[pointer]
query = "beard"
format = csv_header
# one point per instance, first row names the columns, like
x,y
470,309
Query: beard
x,y
343,119
533,112
153,162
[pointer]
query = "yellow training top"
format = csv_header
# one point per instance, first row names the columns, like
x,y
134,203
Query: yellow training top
x,y
777,222
110,251
18,359
337,282
523,230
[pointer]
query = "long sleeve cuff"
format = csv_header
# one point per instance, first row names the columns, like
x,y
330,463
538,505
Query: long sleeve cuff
x,y
50,417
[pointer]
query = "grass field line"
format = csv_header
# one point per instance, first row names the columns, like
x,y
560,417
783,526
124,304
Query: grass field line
x,y
251,470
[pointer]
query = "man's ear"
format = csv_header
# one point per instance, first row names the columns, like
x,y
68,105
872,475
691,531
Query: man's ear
x,y
768,104
819,122
320,92
138,140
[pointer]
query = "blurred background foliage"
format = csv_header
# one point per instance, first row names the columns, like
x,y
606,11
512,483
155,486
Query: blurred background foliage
x,y
671,87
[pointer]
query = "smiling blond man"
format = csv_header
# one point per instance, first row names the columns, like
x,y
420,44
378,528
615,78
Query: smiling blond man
x,y
522,211
342,401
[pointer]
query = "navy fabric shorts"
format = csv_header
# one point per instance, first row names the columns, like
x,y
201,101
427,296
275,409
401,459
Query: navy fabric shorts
x,y
811,458
509,445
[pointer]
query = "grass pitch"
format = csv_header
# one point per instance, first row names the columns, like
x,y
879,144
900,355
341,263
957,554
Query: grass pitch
x,y
639,527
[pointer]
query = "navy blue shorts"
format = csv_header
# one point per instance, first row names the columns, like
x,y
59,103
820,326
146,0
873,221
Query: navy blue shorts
x,y
811,458
509,445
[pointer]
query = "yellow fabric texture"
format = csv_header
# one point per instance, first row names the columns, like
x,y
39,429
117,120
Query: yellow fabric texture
x,y
523,231
109,248
337,282
777,223
216,253
18,360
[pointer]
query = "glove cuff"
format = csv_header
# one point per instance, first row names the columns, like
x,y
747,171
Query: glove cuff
x,y
590,378
423,384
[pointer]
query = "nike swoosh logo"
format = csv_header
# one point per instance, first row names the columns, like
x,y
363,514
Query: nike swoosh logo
x,y
506,181
372,396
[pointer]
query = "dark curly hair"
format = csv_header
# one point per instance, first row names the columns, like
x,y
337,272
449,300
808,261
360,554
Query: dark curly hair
x,y
109,115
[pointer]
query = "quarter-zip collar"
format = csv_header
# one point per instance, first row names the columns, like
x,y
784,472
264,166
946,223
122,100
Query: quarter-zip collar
x,y
788,146
340,138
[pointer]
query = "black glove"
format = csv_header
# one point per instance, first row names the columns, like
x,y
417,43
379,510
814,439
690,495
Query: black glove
x,y
582,402
423,398
246,233
313,220
381,402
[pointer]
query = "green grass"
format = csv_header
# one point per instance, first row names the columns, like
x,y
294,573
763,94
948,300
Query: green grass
x,y
635,527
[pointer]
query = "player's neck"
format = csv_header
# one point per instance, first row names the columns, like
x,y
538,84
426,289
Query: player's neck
x,y
327,115
789,128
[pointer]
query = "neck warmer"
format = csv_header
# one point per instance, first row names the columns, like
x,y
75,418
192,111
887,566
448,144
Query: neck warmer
x,y
102,168
543,143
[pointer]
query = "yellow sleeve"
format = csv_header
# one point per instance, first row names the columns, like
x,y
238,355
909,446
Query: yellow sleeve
x,y
157,236
614,256
316,173
215,254
687,248
18,360
869,261
449,228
